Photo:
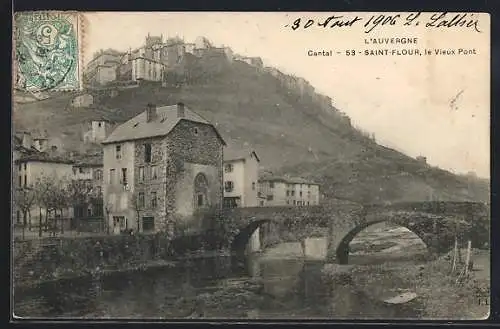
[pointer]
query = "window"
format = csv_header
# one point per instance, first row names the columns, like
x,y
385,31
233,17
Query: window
x,y
201,191
200,200
307,202
98,175
141,174
120,221
228,186
294,203
19,167
228,167
253,186
195,131
147,153
292,193
300,193
271,184
287,202
99,124
98,190
154,201
287,193
148,223
25,166
270,197
112,176
80,170
124,176
118,151
154,172
25,180
20,180
141,201
89,211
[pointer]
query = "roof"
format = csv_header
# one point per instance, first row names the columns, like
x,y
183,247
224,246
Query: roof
x,y
18,146
233,154
89,161
44,157
166,120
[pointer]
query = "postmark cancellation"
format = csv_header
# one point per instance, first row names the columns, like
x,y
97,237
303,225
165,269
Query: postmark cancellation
x,y
47,51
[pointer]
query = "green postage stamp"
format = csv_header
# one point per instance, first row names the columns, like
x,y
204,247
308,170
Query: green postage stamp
x,y
47,55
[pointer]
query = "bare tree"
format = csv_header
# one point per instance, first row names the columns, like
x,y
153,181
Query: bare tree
x,y
25,198
43,187
52,195
79,193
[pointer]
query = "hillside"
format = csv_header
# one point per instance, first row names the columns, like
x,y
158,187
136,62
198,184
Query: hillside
x,y
291,133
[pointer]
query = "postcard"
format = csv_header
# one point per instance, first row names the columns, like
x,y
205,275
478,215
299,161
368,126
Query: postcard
x,y
251,166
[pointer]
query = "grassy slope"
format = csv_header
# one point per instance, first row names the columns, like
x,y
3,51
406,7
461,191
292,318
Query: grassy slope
x,y
291,134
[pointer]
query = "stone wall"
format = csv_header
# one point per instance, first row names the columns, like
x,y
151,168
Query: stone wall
x,y
51,259
196,148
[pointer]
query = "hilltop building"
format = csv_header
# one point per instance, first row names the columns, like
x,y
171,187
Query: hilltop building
x,y
163,166
281,191
97,130
241,175
102,69
84,100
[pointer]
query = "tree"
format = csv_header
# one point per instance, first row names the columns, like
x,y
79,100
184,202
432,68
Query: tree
x,y
25,198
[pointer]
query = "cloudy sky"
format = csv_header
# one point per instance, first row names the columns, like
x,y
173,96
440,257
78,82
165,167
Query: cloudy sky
x,y
436,106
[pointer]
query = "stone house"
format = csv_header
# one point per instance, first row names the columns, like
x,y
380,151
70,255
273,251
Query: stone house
x,y
162,167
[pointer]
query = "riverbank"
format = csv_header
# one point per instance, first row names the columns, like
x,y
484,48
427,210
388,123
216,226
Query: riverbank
x,y
69,274
440,293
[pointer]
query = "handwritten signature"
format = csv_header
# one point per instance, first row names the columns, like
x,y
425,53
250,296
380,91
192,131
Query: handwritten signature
x,y
436,20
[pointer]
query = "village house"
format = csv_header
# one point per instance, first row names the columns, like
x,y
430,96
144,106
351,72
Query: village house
x,y
90,170
162,167
241,175
32,166
282,191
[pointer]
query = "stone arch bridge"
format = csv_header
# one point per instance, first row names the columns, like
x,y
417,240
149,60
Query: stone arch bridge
x,y
340,222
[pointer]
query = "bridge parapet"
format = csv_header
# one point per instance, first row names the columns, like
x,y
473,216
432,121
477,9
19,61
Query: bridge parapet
x,y
447,208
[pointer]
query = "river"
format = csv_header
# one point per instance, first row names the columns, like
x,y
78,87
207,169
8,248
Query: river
x,y
259,287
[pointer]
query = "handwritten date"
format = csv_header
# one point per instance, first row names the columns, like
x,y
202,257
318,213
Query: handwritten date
x,y
437,20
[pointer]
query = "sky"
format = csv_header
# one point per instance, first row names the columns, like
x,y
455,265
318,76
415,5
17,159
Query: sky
x,y
434,106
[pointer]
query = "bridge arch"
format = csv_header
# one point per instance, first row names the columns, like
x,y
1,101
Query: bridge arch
x,y
342,250
241,239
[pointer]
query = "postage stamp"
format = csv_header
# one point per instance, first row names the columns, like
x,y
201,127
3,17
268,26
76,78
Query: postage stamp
x,y
47,55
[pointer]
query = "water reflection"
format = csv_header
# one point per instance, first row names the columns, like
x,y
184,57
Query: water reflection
x,y
217,287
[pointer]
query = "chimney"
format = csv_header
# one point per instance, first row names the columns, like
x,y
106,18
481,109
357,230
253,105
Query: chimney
x,y
27,140
151,112
180,110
